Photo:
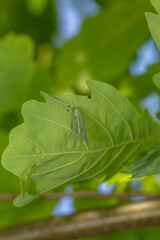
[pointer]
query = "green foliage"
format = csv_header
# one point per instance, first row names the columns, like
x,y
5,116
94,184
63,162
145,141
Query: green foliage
x,y
87,204
9,184
16,65
103,50
34,18
37,7
150,163
154,26
133,86
146,234
156,80
147,165
151,184
47,157
106,45
20,77
156,5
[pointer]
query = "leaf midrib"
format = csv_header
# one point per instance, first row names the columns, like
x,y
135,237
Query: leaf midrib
x,y
89,152
63,166
77,175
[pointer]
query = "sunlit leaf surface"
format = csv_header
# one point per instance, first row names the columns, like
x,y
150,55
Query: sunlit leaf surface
x,y
156,4
43,154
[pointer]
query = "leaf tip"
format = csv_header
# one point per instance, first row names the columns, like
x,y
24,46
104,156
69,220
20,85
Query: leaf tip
x,y
44,95
20,201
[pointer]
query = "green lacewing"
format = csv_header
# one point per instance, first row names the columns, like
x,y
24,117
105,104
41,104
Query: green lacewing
x,y
78,127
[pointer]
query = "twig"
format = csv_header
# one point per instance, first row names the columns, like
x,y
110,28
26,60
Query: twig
x,y
92,223
83,194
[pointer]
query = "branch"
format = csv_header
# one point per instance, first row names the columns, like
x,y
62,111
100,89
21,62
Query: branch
x,y
92,223
127,195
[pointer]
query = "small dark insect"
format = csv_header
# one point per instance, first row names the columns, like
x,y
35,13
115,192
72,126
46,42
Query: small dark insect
x,y
68,110
89,96
30,171
68,106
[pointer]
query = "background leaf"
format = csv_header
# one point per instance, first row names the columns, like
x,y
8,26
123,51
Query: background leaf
x,y
28,17
156,5
156,80
16,65
139,87
106,45
148,165
154,26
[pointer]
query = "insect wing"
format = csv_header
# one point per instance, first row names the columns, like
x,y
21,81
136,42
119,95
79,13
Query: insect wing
x,y
78,127
83,131
75,125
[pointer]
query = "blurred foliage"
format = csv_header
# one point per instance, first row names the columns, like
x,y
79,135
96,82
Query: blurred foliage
x,y
36,18
146,234
156,5
149,164
106,45
133,86
29,63
16,66
10,184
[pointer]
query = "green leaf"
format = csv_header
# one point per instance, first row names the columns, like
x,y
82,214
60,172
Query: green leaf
x,y
156,4
133,86
154,26
119,177
16,65
43,154
150,184
148,165
36,19
9,185
40,80
36,7
20,78
156,80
